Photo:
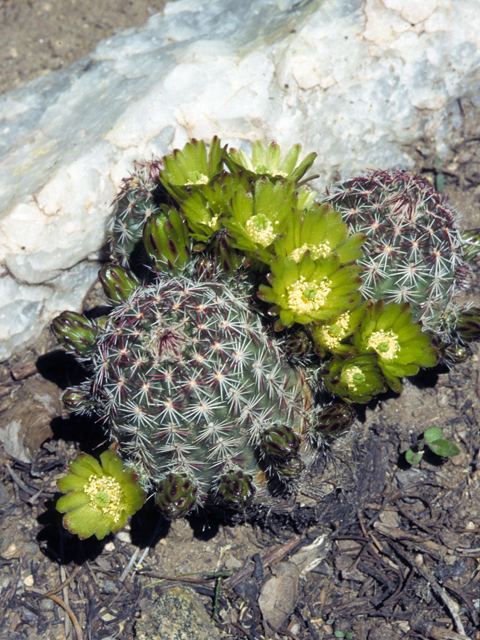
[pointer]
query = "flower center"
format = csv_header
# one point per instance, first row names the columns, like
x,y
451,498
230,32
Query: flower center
x,y
316,251
305,297
195,177
333,334
105,494
352,377
385,343
260,229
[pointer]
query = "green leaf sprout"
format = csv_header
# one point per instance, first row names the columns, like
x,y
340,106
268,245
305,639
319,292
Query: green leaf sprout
x,y
432,439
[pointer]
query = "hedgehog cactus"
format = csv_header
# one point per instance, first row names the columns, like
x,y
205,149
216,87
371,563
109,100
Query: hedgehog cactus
x,y
211,373
414,251
190,384
135,203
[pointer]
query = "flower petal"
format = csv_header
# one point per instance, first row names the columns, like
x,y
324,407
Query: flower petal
x,y
85,465
71,482
85,521
112,465
72,501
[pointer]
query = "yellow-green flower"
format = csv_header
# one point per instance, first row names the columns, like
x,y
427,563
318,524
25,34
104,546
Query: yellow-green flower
x,y
191,167
400,346
356,379
319,232
166,240
310,291
332,335
99,497
258,215
268,161
206,208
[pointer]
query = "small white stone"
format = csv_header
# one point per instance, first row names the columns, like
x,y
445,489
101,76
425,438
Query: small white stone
x,y
124,536
10,552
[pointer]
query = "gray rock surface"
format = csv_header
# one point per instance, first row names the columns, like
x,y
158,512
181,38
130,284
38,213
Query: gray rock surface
x,y
361,82
176,615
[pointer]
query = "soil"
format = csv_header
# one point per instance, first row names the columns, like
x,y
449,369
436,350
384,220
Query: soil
x,y
39,37
374,550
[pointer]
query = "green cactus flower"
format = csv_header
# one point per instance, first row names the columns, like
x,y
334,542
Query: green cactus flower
x,y
176,495
258,216
205,208
280,441
332,335
76,333
281,445
192,166
310,291
468,324
166,240
117,283
321,232
99,497
77,400
268,161
235,488
224,256
357,379
388,331
331,422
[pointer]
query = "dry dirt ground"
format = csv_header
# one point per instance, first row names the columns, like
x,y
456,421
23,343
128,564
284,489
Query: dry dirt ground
x,y
37,37
377,550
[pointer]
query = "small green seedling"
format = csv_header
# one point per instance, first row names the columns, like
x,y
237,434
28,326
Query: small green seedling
x,y
341,634
432,438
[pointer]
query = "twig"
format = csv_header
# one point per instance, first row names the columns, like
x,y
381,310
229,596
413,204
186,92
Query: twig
x,y
441,593
283,632
63,575
130,564
241,628
35,496
64,584
272,556
20,483
72,616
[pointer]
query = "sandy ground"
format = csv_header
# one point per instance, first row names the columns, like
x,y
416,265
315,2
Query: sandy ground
x,y
39,37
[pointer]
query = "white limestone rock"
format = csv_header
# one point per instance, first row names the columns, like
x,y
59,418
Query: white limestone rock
x,y
25,309
361,82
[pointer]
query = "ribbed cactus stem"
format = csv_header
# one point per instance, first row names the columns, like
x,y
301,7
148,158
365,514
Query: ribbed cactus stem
x,y
166,240
189,383
414,251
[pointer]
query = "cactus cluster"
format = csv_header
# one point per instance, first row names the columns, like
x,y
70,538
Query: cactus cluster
x,y
190,384
266,312
414,250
